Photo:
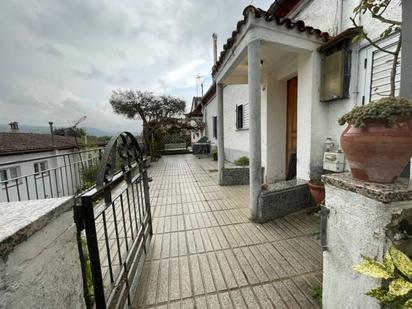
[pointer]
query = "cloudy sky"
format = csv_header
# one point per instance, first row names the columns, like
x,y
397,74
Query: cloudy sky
x,y
61,59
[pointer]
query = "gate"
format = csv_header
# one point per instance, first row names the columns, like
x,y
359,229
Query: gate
x,y
114,225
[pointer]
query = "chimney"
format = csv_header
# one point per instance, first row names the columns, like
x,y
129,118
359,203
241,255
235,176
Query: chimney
x,y
14,127
52,133
214,36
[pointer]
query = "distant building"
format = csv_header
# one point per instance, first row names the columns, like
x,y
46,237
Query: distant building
x,y
36,165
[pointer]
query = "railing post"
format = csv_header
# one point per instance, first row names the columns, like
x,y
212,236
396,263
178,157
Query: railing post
x,y
146,194
93,248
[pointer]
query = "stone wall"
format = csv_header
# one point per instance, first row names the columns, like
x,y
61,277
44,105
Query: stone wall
x,y
236,176
283,198
39,264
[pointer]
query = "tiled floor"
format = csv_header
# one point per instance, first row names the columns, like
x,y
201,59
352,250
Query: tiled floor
x,y
205,253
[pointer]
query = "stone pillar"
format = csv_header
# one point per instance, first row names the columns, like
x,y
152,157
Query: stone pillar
x,y
363,219
255,141
220,132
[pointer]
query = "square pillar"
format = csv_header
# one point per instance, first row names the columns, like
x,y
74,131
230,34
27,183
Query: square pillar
x,y
220,132
363,219
255,140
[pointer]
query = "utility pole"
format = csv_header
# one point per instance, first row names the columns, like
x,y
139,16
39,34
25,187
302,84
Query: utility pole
x,y
406,63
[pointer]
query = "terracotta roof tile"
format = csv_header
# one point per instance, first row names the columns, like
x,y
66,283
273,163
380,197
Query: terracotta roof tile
x,y
15,143
299,25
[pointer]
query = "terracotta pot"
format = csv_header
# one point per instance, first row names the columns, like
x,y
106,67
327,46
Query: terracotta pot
x,y
317,192
378,152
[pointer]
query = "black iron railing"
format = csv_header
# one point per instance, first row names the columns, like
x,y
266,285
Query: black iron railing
x,y
48,176
114,225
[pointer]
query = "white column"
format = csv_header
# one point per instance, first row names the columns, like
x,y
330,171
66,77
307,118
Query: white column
x,y
255,146
220,132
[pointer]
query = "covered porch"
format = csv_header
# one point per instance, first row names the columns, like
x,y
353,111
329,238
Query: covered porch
x,y
278,59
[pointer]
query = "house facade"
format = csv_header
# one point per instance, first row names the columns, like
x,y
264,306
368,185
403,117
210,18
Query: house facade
x,y
36,166
270,98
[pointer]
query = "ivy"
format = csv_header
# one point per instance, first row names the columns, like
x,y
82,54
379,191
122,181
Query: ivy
x,y
396,271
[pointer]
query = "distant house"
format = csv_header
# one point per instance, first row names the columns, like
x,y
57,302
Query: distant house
x,y
284,78
38,165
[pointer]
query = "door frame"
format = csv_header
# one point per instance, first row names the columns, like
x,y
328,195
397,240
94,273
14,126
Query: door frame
x,y
287,155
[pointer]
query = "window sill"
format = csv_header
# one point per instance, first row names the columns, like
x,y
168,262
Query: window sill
x,y
242,129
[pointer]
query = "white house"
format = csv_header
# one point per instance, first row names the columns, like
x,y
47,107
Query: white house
x,y
35,166
270,100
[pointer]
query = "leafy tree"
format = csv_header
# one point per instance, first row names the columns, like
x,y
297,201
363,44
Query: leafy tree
x,y
158,113
377,9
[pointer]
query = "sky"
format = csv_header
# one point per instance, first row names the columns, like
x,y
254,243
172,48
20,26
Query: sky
x,y
60,60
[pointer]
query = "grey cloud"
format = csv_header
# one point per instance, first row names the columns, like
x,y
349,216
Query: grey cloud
x,y
90,47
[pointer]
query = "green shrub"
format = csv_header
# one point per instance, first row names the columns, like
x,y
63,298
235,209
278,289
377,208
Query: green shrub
x,y
388,108
89,175
242,161
396,271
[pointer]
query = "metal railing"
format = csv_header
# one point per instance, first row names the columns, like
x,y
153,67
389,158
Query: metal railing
x,y
56,175
114,226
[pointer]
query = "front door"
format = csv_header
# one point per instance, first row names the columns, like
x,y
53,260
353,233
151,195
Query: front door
x,y
291,129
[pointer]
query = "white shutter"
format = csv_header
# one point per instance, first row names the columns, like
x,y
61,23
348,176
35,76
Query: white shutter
x,y
246,116
375,71
381,73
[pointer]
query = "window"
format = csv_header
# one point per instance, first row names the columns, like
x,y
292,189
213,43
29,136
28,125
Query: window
x,y
10,174
375,69
215,126
239,116
40,167
242,116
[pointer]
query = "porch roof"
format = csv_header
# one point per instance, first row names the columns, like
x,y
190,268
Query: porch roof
x,y
270,19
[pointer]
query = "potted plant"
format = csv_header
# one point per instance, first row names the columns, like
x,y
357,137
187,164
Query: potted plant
x,y
317,191
316,188
214,154
378,139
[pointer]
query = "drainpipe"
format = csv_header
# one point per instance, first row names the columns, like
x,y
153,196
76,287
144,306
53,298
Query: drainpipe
x,y
406,63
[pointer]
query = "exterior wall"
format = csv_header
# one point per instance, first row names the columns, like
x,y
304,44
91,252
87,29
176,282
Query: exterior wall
x,y
53,185
236,141
43,271
356,225
325,15
210,111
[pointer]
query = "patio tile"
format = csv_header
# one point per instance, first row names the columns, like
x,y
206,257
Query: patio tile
x,y
205,253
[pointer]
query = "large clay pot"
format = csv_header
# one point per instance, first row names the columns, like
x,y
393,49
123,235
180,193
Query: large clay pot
x,y
317,192
378,152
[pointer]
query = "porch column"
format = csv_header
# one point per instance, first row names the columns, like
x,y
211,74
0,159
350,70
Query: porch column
x,y
255,146
220,132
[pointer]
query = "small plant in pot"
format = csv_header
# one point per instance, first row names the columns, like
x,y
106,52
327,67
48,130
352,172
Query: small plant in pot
x,y
378,139
317,189
214,154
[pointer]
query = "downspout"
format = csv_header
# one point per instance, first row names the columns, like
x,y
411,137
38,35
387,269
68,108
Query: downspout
x,y
357,62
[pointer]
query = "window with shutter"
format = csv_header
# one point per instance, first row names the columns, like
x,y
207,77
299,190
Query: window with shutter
x,y
375,71
381,73
239,116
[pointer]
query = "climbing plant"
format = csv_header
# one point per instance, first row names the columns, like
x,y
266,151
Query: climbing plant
x,y
396,272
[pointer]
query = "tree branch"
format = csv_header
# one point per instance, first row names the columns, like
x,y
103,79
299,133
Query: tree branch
x,y
369,39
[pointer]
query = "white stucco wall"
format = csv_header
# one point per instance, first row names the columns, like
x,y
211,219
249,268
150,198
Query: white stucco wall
x,y
356,225
44,270
56,181
210,111
236,141
325,15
